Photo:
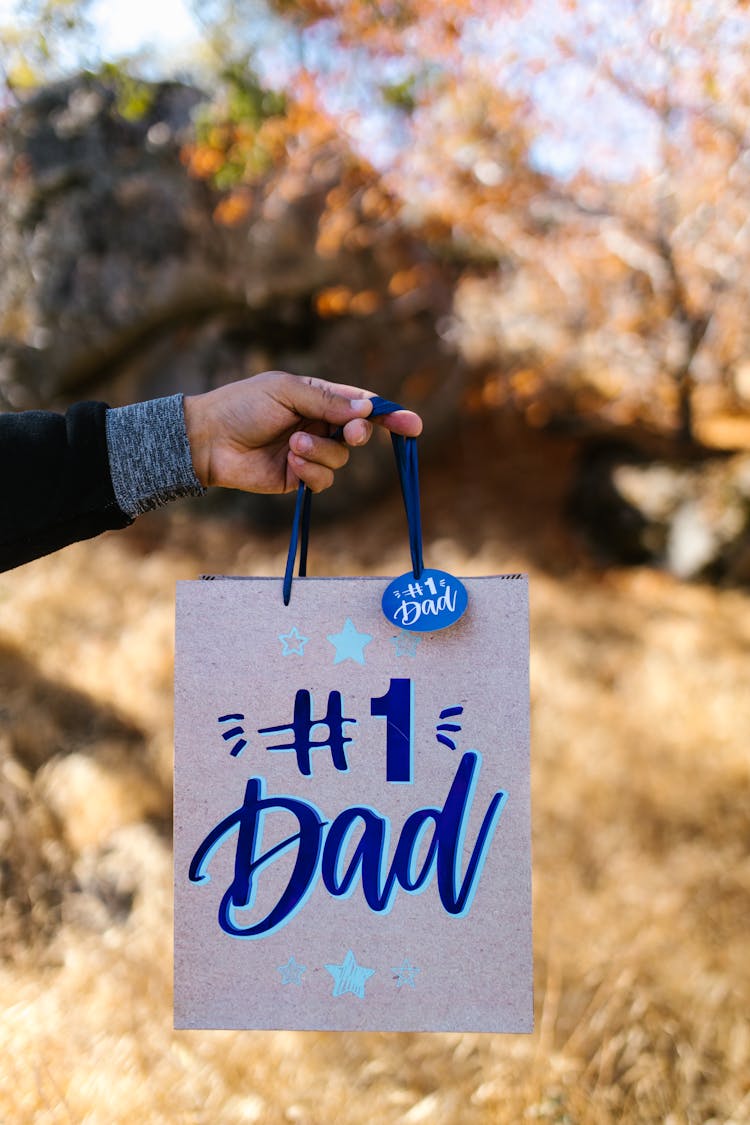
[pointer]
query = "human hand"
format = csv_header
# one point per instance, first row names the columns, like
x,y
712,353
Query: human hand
x,y
271,431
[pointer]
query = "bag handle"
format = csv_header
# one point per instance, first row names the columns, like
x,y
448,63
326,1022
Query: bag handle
x,y
405,452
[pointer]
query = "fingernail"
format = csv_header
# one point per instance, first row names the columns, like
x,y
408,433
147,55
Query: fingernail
x,y
303,443
359,403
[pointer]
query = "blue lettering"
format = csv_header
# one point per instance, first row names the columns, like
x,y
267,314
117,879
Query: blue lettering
x,y
368,857
321,855
457,896
241,891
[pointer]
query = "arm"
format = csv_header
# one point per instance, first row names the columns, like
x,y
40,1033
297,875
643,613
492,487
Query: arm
x,y
55,484
72,477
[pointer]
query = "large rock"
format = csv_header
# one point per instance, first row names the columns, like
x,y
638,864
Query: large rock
x,y
118,283
103,235
691,517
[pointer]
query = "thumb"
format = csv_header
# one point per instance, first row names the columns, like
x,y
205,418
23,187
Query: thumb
x,y
326,402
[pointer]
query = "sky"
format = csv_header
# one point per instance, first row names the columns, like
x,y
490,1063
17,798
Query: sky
x,y
609,134
124,26
164,28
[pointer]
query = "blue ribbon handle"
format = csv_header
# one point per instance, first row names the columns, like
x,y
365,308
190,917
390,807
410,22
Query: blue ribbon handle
x,y
405,452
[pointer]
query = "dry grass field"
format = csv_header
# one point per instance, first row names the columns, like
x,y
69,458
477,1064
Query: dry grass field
x,y
641,780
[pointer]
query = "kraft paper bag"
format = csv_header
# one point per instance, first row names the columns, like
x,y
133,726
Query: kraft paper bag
x,y
352,824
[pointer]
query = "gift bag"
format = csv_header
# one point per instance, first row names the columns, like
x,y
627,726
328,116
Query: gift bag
x,y
352,822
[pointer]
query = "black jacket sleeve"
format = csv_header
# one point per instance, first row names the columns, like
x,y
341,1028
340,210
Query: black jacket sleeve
x,y
55,484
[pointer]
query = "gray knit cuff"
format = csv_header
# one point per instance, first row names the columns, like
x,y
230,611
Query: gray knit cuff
x,y
149,455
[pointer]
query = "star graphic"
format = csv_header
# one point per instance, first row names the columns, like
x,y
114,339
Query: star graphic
x,y
406,643
405,974
293,642
349,976
349,644
291,973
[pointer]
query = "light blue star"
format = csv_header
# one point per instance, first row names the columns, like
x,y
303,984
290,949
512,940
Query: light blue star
x,y
293,642
406,643
405,974
349,976
291,973
349,644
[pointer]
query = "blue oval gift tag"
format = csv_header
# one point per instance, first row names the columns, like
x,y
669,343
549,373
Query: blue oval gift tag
x,y
433,601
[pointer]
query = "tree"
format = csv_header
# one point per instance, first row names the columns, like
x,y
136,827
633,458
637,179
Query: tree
x,y
587,167
678,225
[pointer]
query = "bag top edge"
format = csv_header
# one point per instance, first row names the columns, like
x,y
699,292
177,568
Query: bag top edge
x,y
337,578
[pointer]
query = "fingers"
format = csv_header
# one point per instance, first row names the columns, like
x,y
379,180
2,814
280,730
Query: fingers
x,y
404,422
357,432
319,450
339,403
316,477
314,459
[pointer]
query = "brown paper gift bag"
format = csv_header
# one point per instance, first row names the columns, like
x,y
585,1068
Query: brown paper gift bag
x,y
352,824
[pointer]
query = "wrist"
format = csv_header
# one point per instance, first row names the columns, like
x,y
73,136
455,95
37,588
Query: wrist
x,y
149,454
198,434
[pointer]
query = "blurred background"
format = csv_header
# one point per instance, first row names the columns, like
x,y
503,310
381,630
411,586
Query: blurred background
x,y
530,221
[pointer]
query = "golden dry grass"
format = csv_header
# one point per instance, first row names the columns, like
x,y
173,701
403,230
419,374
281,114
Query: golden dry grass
x,y
641,777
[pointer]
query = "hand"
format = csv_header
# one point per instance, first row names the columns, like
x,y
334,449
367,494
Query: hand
x,y
269,432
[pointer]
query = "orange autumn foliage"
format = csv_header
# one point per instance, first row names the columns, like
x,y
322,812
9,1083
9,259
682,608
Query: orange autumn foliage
x,y
623,281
